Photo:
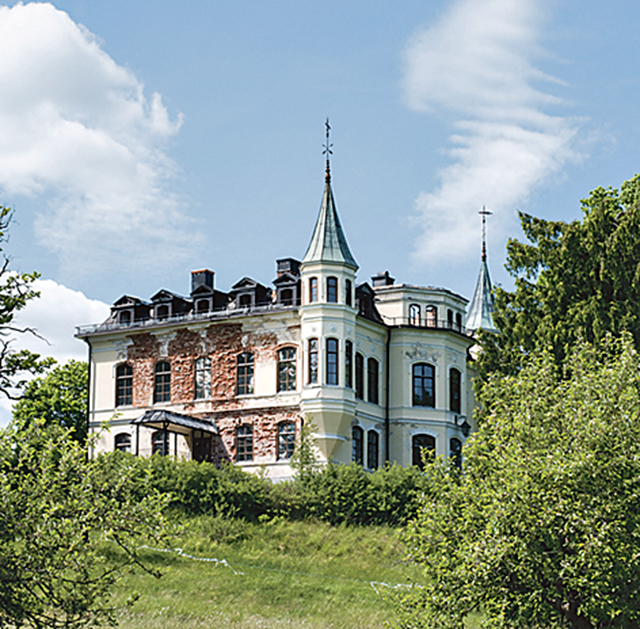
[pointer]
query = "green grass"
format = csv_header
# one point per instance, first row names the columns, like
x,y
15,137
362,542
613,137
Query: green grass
x,y
282,574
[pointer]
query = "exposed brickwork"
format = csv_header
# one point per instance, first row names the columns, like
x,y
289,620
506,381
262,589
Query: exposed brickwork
x,y
142,356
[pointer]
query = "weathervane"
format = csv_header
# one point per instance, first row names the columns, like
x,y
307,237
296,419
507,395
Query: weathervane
x,y
327,151
484,213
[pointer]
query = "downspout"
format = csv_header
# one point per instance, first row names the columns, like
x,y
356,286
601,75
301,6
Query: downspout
x,y
386,405
90,449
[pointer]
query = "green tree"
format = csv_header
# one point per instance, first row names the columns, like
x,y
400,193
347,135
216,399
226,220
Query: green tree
x,y
69,528
542,527
60,398
578,280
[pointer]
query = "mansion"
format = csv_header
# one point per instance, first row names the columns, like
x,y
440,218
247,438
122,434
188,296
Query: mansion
x,y
382,369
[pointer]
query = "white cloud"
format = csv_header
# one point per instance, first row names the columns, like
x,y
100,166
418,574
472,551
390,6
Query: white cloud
x,y
476,63
77,131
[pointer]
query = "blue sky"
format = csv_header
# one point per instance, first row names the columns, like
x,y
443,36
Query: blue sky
x,y
141,140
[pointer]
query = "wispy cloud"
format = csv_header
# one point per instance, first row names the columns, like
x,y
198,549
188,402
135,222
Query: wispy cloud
x,y
476,65
78,133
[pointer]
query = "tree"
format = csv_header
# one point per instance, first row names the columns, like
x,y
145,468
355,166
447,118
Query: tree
x,y
542,527
60,398
69,528
578,280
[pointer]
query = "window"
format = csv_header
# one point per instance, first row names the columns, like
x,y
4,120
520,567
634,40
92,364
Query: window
x,y
359,376
124,385
449,318
162,312
160,443
313,289
286,297
458,322
372,380
332,361
123,442
286,440
348,364
203,378
162,389
348,297
454,390
432,317
357,445
245,301
244,443
202,305
421,443
313,361
414,314
373,449
455,451
424,385
245,374
332,290
125,317
287,369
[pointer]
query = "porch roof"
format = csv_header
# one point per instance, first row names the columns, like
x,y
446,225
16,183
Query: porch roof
x,y
174,422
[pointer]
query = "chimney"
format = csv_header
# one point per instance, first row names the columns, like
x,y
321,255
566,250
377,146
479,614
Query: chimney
x,y
382,279
203,277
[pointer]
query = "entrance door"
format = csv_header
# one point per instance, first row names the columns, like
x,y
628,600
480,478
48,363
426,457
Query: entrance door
x,y
201,446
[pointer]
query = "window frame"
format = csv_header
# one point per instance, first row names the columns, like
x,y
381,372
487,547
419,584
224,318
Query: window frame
x,y
202,371
455,451
160,442
418,396
416,448
244,443
162,383
455,390
348,364
118,444
359,376
373,380
286,440
313,290
331,372
373,450
414,315
287,372
348,293
431,316
124,385
357,445
245,370
312,361
332,289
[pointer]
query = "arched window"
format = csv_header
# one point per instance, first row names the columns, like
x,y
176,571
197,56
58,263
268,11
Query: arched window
x,y
431,316
162,388
332,290
449,318
348,364
455,451
286,440
122,442
357,445
160,443
372,380
414,314
331,368
287,369
313,361
203,378
458,322
245,374
424,393
454,390
313,289
124,385
162,312
125,317
359,376
348,298
244,443
420,443
373,450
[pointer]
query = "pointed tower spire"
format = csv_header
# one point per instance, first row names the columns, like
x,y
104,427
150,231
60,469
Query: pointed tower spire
x,y
328,243
481,308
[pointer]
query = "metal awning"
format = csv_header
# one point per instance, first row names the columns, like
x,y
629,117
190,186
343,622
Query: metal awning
x,y
174,422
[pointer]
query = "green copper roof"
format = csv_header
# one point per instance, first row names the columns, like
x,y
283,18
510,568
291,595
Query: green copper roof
x,y
481,309
328,243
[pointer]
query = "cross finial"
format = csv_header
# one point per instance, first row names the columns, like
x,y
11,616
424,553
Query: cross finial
x,y
484,213
327,151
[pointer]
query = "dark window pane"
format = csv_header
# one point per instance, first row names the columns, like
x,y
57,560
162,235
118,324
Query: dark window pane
x,y
359,376
287,369
455,451
372,380
357,439
424,385
162,389
332,290
348,293
160,443
124,385
245,374
123,442
332,361
286,440
454,390
421,443
348,364
244,443
373,449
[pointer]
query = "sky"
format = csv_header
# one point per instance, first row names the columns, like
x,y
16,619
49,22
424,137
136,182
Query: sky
x,y
142,140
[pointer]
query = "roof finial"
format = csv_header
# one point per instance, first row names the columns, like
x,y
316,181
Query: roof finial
x,y
327,151
484,213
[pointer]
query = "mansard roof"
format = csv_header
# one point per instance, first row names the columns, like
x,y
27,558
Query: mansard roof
x,y
246,282
481,310
328,243
286,278
167,295
128,300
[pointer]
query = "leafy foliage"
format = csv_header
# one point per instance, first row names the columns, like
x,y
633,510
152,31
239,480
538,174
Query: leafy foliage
x,y
59,398
542,528
69,528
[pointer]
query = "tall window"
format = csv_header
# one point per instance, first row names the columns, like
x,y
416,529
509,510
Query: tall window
x,y
357,445
449,318
162,312
421,443
414,314
313,361
286,440
124,385
123,442
160,443
313,289
332,290
372,380
245,374
454,390
287,369
244,443
359,376
203,378
162,388
332,361
125,317
348,364
458,322
373,450
348,298
424,385
455,451
432,316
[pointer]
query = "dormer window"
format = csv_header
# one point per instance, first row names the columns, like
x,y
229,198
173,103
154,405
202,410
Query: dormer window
x,y
125,317
244,301
286,297
162,312
332,290
203,305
